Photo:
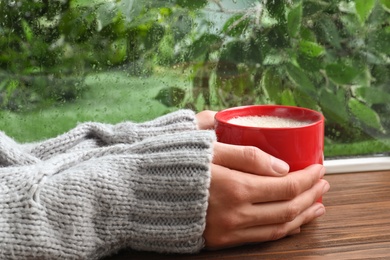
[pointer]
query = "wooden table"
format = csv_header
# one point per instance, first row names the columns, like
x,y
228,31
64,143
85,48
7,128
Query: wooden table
x,y
356,226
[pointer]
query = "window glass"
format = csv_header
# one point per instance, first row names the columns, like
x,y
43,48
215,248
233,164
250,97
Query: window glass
x,y
68,61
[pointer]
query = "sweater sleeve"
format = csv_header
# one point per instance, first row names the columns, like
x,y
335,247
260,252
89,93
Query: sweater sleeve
x,y
100,188
147,195
90,135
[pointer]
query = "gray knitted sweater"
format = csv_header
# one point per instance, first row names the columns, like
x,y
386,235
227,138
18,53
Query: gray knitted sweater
x,y
100,188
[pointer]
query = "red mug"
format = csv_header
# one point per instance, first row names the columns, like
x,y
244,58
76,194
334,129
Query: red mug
x,y
299,146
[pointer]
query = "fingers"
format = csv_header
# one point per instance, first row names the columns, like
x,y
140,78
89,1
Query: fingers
x,y
283,211
263,233
248,159
262,189
278,231
259,208
205,119
267,189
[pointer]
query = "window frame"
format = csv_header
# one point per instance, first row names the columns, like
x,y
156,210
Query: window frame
x,y
356,164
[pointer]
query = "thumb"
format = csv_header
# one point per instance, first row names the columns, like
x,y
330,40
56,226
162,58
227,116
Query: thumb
x,y
248,159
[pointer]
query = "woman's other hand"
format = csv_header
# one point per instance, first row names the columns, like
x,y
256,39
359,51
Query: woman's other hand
x,y
205,119
253,199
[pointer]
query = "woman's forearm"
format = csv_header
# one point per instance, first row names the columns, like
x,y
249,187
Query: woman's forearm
x,y
150,194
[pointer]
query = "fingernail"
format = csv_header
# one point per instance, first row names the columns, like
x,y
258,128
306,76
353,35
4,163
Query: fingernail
x,y
322,172
325,188
295,231
319,212
279,166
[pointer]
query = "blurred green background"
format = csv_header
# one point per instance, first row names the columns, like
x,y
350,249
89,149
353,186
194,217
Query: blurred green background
x,y
64,62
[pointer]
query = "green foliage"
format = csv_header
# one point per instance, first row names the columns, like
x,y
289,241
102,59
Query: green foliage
x,y
48,47
332,56
190,4
171,96
364,8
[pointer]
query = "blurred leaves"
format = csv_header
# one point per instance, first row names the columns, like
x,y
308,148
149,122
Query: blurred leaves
x,y
294,20
311,49
52,45
190,4
327,55
171,97
372,96
364,8
364,114
236,25
386,3
341,73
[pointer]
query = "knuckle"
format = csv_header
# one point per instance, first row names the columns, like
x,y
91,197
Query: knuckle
x,y
217,158
278,233
292,188
238,192
293,210
252,153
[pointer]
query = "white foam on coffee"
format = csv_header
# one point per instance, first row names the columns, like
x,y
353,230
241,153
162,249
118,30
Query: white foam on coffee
x,y
267,121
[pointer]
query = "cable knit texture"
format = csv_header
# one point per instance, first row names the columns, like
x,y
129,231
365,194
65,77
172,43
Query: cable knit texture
x,y
100,188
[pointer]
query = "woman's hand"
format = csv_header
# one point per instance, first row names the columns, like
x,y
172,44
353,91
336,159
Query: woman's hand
x,y
253,199
205,119
259,162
